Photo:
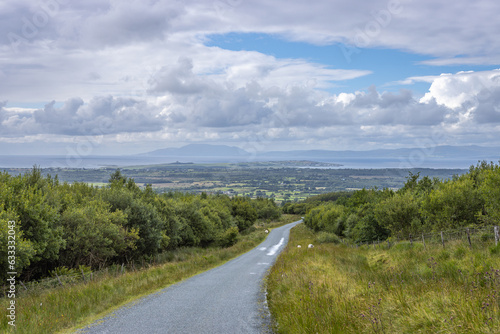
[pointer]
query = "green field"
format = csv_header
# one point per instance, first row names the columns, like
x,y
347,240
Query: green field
x,y
283,181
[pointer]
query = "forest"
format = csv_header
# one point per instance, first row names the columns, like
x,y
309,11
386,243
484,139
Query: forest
x,y
423,204
57,225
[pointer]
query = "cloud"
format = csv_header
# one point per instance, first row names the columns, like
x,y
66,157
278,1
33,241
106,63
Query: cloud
x,y
101,116
488,110
138,21
179,79
425,27
464,88
201,102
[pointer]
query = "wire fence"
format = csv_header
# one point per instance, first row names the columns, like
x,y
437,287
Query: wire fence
x,y
469,236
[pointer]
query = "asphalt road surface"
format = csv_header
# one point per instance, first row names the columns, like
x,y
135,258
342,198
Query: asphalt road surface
x,y
227,299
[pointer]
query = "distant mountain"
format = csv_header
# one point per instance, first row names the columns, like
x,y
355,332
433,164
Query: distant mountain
x,y
200,151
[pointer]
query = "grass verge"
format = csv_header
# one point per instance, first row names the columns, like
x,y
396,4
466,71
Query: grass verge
x,y
64,309
333,288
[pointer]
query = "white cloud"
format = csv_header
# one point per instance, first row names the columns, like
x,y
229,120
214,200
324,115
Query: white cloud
x,y
456,90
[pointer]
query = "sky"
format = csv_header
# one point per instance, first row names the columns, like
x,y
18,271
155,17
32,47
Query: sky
x,y
109,77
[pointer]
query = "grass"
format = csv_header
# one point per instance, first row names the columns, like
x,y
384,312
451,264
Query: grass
x,y
64,309
334,288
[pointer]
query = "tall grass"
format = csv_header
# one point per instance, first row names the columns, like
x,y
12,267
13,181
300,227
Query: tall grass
x,y
60,309
333,288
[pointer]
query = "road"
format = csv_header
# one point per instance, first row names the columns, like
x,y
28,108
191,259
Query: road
x,y
227,299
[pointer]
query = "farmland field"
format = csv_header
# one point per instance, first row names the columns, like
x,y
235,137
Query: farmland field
x,y
283,180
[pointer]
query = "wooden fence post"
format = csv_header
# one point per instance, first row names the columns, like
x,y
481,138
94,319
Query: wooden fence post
x,y
468,236
411,240
83,275
495,229
59,280
442,238
24,286
423,240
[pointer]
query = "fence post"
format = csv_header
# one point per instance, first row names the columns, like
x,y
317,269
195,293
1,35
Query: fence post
x,y
24,286
411,240
442,238
496,235
468,236
423,240
59,279
83,275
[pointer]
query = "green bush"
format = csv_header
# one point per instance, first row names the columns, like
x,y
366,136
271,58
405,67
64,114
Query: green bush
x,y
327,237
229,238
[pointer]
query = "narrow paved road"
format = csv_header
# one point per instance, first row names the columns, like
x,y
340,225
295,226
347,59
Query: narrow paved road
x,y
227,299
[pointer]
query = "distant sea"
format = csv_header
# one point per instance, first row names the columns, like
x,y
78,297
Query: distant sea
x,y
57,161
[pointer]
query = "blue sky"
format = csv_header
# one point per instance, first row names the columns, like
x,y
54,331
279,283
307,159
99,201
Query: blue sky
x,y
388,66
120,77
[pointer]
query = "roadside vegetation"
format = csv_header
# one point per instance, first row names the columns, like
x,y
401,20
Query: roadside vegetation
x,y
105,246
392,287
334,288
60,226
78,303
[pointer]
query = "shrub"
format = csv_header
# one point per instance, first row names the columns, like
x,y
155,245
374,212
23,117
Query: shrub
x,y
229,237
326,237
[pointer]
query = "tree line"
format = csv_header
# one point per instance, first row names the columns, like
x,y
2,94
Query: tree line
x,y
421,205
58,224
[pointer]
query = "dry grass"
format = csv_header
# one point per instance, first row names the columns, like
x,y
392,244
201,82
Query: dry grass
x,y
337,289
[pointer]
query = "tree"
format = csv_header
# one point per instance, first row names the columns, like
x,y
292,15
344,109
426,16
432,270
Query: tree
x,y
94,235
454,204
490,194
399,214
11,235
117,178
243,212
